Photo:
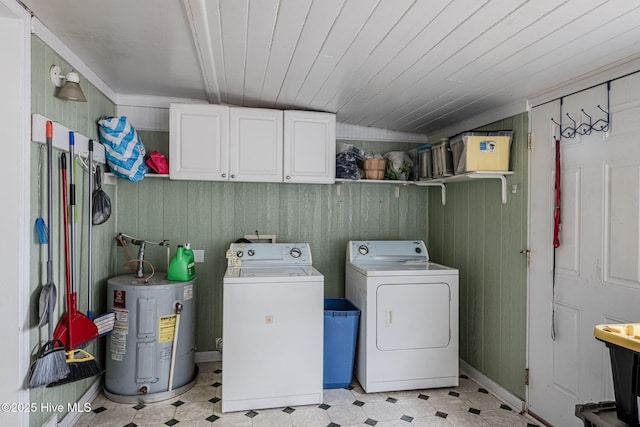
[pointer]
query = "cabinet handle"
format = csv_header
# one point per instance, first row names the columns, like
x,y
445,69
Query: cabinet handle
x,y
232,176
224,175
288,177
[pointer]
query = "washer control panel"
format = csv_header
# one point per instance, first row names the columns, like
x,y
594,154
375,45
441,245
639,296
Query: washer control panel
x,y
272,253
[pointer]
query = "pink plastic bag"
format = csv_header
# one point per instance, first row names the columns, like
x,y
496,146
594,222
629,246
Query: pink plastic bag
x,y
157,162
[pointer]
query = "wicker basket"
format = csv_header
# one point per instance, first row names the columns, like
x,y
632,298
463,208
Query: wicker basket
x,y
374,168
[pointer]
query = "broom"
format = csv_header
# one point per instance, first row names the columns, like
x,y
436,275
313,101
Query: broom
x,y
81,365
50,365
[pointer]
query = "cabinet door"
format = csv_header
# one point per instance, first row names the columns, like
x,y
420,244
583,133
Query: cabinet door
x,y
309,147
255,145
198,142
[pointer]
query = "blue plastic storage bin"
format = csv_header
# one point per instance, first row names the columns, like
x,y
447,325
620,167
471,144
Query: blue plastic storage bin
x,y
340,334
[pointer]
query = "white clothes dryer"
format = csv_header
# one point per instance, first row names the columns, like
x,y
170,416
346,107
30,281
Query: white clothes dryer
x,y
273,320
408,333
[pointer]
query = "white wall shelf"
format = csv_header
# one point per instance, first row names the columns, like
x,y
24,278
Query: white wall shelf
x,y
149,175
437,182
396,183
502,176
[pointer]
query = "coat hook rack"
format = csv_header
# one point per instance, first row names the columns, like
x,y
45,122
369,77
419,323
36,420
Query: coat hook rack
x,y
600,125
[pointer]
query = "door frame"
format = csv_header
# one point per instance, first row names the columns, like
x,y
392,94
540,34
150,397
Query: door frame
x,y
16,122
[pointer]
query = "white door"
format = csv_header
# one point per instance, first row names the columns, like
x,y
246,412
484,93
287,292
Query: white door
x,y
309,147
198,142
596,266
255,145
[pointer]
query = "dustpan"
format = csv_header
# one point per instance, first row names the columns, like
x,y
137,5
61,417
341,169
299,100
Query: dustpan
x,y
75,328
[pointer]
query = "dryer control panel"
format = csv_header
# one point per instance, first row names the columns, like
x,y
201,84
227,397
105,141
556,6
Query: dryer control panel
x,y
387,250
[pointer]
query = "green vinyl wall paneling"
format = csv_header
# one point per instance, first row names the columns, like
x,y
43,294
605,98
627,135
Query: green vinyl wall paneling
x,y
81,117
211,215
480,236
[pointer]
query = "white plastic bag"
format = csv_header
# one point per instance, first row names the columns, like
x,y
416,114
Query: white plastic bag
x,y
399,165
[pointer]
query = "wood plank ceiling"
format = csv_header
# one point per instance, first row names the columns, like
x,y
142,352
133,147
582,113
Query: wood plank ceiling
x,y
410,65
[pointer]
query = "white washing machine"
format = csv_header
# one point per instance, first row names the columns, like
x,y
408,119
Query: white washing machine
x,y
273,320
408,334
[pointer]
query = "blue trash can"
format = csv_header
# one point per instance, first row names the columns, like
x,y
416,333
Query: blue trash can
x,y
340,333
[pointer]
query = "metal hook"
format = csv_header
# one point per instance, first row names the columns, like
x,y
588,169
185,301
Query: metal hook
x,y
570,132
605,126
586,129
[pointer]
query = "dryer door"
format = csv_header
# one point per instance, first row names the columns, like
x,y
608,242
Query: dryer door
x,y
413,316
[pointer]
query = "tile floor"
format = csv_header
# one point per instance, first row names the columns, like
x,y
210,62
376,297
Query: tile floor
x,y
466,405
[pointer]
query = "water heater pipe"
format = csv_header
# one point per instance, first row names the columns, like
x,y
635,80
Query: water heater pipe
x,y
178,307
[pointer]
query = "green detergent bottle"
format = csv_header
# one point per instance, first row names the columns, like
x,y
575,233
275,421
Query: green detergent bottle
x,y
182,266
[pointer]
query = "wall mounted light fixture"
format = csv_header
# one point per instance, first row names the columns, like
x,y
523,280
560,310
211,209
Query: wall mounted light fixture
x,y
69,85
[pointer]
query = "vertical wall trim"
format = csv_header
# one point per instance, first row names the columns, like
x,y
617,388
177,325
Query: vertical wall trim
x,y
528,270
23,304
18,102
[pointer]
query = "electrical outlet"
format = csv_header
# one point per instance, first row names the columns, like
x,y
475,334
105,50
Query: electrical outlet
x,y
219,344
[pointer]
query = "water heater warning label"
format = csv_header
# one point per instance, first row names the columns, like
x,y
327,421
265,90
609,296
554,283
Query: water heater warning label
x,y
118,343
167,328
187,292
119,334
121,320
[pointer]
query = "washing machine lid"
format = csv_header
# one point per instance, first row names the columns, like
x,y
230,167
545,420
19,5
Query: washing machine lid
x,y
401,268
271,274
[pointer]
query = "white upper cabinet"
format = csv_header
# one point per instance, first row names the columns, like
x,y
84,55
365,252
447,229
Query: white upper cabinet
x,y
199,142
255,145
210,142
309,147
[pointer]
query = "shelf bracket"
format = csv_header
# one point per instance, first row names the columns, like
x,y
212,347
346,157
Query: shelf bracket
x,y
438,183
338,186
443,193
397,190
502,178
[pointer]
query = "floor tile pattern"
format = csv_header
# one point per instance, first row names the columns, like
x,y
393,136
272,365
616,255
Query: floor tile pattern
x,y
467,405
